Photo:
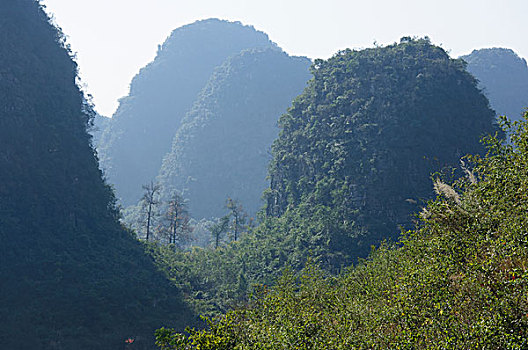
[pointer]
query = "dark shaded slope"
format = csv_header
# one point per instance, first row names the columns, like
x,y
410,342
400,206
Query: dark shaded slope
x,y
140,133
362,140
503,76
222,147
71,277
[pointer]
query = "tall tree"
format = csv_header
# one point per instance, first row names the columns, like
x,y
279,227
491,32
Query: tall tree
x,y
176,224
239,217
219,229
150,201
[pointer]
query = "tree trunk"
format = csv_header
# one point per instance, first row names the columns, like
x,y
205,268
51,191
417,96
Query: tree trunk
x,y
148,220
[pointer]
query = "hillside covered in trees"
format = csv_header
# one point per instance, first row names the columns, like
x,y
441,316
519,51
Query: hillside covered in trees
x,y
71,276
139,134
362,141
368,155
353,162
503,76
222,148
457,281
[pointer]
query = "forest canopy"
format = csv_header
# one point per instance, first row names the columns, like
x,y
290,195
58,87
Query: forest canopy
x,y
363,139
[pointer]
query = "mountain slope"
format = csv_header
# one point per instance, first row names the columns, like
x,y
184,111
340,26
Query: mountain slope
x,y
71,277
362,140
353,160
140,133
222,148
503,76
100,123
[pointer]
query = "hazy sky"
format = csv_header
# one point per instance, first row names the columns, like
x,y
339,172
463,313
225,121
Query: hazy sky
x,y
113,39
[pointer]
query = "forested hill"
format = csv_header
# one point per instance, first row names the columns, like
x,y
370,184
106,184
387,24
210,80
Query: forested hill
x,y
222,148
353,161
362,141
355,156
503,76
140,133
71,277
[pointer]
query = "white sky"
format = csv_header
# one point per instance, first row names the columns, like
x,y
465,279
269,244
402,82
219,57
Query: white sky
x,y
113,39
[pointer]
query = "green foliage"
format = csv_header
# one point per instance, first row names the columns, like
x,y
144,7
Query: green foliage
x,y
458,281
362,140
329,200
218,336
218,277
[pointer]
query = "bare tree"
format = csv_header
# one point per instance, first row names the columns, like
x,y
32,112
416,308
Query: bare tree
x,y
176,221
150,201
239,217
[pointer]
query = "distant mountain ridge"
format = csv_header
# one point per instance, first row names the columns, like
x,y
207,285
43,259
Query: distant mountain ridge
x,y
100,123
222,148
503,76
132,147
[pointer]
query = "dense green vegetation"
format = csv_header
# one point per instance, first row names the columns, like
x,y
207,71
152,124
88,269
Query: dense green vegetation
x,y
139,134
503,76
350,168
457,281
355,158
360,143
71,276
222,148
